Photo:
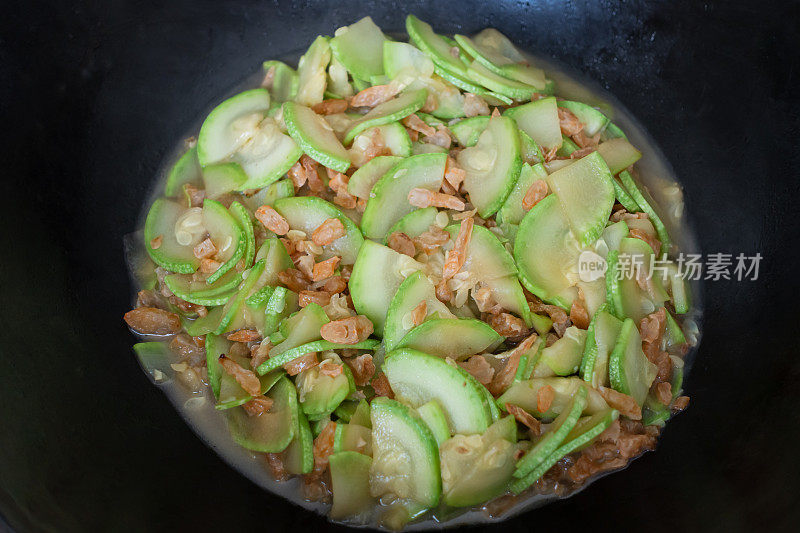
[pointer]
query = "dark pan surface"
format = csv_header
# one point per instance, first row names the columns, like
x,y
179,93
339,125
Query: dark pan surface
x,y
92,97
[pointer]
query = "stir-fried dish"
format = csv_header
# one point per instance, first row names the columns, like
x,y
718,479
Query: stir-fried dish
x,y
413,276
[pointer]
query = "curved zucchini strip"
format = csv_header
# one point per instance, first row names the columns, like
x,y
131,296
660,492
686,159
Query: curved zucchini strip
x,y
160,230
272,431
307,213
395,109
315,137
388,201
359,47
186,170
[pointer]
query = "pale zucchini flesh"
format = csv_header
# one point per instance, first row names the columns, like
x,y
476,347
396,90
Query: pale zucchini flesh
x,y
417,378
539,119
492,166
388,200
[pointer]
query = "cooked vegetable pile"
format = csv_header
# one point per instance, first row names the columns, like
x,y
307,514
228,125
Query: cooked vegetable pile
x,y
372,262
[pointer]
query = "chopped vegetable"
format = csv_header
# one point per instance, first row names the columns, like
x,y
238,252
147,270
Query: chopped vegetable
x,y
412,275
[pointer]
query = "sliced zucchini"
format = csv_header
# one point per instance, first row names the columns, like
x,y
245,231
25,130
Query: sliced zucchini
x,y
564,356
539,119
414,289
530,151
345,411
361,415
405,456
449,67
488,399
239,131
235,313
415,223
582,434
417,378
245,220
456,338
567,147
363,179
614,233
388,201
269,432
496,48
654,413
300,328
558,164
532,358
155,359
288,355
589,428
284,81
524,394
467,85
352,438
486,257
299,455
418,148
311,80
585,191
679,290
593,120
512,211
544,250
514,89
554,436
673,334
528,75
629,369
360,84
377,273
422,35
161,227
612,131
319,393
228,125
281,304
431,413
307,213
624,198
226,234
636,194
201,293
467,131
231,394
359,47
488,261
405,60
338,83
267,195
261,297
206,324
492,166
315,136
393,110
478,467
393,136
221,178
629,298
186,170
449,100
601,339
350,480
276,259
618,154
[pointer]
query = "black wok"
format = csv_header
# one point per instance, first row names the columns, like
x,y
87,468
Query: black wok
x,y
93,96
